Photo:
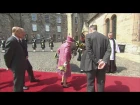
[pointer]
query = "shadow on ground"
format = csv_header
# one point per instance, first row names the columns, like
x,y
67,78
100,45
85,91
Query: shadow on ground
x,y
52,88
120,69
75,68
118,87
78,82
10,83
48,81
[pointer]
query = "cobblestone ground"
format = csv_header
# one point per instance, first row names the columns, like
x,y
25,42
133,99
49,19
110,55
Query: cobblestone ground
x,y
44,61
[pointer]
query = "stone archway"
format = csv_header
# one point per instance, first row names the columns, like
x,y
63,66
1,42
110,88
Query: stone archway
x,y
107,26
114,25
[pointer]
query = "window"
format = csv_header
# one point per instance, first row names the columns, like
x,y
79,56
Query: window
x,y
76,20
107,26
34,27
34,16
47,27
58,28
58,19
47,19
114,24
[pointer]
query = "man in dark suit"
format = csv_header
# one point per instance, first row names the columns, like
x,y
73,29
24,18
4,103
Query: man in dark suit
x,y
29,66
98,53
15,58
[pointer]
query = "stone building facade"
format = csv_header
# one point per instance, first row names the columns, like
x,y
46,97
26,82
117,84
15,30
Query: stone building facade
x,y
77,25
35,24
125,27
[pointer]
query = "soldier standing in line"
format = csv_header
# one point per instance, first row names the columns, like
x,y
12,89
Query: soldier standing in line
x,y
63,40
51,45
26,38
3,44
34,46
42,42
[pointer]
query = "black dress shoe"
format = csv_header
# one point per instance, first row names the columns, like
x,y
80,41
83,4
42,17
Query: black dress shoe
x,y
25,88
62,83
35,80
65,86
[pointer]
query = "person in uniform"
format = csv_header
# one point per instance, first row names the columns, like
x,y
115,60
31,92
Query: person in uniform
x,y
63,40
3,44
114,49
34,43
26,38
51,45
42,42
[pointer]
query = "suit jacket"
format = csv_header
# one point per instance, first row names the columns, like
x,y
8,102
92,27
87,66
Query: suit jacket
x,y
97,47
24,45
14,55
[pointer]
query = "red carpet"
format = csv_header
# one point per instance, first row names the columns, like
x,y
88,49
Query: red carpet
x,y
50,82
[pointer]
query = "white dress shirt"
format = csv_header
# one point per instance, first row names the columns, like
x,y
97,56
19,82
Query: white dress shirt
x,y
15,37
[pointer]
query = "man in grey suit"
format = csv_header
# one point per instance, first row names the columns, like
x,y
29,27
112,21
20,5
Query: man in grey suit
x,y
98,53
15,58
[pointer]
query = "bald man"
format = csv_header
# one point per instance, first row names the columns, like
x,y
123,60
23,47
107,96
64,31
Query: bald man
x,y
15,59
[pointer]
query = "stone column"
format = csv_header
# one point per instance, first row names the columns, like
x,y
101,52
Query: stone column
x,y
85,29
104,27
111,30
69,23
135,35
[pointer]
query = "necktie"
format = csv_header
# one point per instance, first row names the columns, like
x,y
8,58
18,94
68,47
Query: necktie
x,y
20,42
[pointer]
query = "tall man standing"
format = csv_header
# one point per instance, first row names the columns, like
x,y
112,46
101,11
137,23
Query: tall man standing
x,y
29,66
15,58
98,53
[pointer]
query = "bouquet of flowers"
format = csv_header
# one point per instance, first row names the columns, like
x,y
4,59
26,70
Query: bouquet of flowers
x,y
81,45
62,68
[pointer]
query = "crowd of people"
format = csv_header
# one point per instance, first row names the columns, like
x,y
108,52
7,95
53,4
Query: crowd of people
x,y
98,57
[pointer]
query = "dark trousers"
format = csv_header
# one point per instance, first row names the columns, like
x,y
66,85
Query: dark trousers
x,y
100,76
51,48
19,76
30,71
111,66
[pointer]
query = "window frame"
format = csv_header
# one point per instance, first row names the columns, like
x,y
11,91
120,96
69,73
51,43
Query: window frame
x,y
48,27
58,29
33,27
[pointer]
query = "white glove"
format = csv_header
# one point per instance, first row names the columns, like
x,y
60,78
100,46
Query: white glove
x,y
65,64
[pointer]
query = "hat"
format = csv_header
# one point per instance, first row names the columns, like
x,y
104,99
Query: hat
x,y
69,39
